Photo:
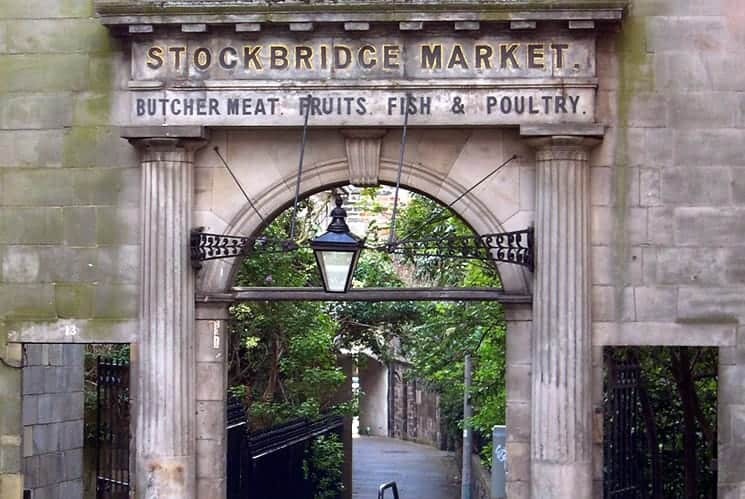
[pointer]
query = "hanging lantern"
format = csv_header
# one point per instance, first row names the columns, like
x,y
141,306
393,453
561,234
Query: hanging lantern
x,y
337,251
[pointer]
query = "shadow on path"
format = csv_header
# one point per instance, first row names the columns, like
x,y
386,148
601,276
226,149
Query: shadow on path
x,y
421,472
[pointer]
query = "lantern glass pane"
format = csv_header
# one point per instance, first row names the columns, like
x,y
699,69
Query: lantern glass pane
x,y
336,267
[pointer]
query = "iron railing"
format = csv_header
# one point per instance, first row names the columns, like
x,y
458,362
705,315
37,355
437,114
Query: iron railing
x,y
269,463
112,429
624,442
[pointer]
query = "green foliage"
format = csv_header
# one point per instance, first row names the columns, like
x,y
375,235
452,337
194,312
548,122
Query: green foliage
x,y
446,331
323,466
283,354
423,218
679,392
372,325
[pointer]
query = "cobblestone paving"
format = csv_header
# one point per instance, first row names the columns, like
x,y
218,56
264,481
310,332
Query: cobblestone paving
x,y
420,471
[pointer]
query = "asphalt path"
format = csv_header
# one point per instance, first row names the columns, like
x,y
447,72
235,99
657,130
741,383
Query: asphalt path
x,y
421,472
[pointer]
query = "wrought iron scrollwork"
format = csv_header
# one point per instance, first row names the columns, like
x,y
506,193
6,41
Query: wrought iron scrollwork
x,y
206,246
509,247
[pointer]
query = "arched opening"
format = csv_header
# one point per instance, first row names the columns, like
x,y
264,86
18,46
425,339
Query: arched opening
x,y
381,350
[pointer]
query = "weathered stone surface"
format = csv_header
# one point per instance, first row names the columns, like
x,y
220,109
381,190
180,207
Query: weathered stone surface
x,y
43,73
116,301
34,111
698,34
696,186
707,226
50,36
79,226
716,304
26,225
117,226
709,148
655,304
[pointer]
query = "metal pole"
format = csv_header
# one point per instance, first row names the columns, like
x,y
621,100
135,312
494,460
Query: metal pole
x,y
465,488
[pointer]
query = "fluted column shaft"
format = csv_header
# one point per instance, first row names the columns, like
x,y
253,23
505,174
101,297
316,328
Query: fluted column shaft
x,y
561,437
164,358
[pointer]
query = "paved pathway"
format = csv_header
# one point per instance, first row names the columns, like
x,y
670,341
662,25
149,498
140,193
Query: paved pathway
x,y
420,471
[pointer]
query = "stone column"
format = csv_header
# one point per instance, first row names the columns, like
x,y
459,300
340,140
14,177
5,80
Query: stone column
x,y
164,358
561,416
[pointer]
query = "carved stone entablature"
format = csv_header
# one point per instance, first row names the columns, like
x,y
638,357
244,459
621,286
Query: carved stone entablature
x,y
363,155
237,63
142,15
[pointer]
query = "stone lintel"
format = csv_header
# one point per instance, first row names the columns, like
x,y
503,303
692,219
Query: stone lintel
x,y
563,130
157,132
72,331
212,311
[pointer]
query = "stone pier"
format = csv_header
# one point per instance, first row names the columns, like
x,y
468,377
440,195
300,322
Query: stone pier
x,y
561,441
164,358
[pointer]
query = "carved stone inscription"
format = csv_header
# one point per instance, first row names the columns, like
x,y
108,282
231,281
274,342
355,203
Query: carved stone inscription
x,y
343,58
481,79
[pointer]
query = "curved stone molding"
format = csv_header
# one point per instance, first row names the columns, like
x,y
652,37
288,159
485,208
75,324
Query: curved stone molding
x,y
164,357
561,434
363,155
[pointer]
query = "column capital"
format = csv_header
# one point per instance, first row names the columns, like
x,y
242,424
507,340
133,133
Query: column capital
x,y
563,147
167,144
167,149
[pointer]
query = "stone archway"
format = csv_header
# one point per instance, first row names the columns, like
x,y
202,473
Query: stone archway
x,y
439,163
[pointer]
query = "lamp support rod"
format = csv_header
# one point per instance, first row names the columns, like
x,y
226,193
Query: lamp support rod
x,y
392,233
235,179
300,167
437,216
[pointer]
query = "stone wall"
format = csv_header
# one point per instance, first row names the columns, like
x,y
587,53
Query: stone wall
x,y
68,195
480,479
667,191
53,422
668,195
415,409
373,379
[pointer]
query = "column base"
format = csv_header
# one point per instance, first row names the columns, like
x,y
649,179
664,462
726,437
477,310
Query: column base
x,y
165,477
560,481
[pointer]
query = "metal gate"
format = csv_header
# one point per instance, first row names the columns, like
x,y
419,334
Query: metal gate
x,y
112,429
624,443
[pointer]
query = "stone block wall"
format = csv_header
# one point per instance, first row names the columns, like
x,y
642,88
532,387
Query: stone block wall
x,y
415,409
53,422
668,203
69,194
